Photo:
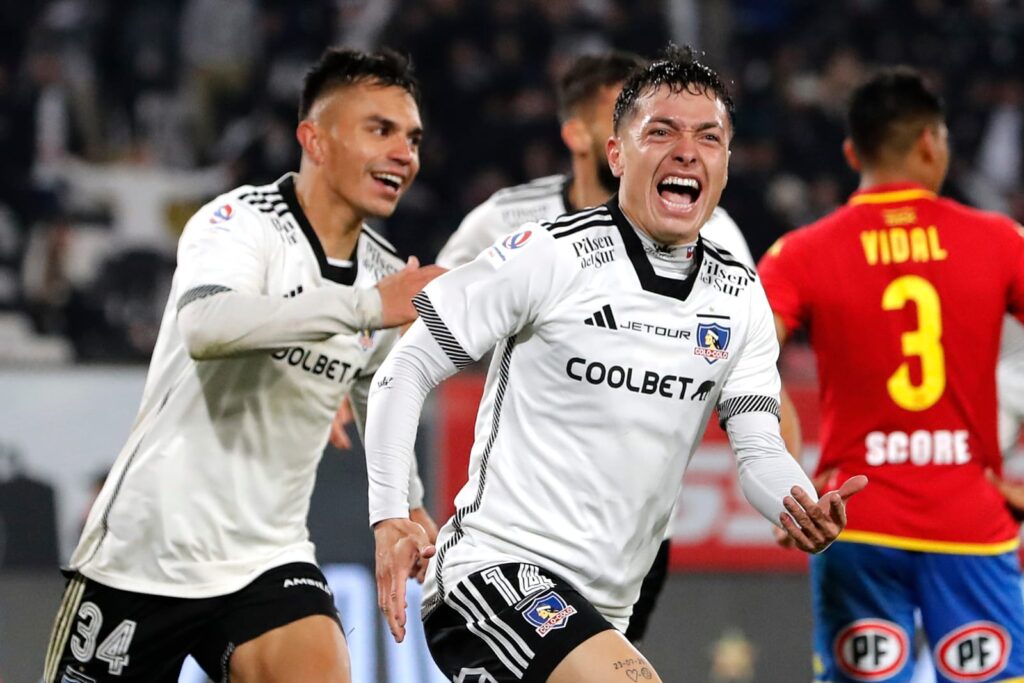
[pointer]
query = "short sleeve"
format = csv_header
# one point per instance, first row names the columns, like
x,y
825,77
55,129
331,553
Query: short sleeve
x,y
504,289
780,277
753,383
223,247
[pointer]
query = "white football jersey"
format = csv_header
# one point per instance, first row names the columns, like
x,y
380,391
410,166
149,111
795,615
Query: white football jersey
x,y
602,381
213,485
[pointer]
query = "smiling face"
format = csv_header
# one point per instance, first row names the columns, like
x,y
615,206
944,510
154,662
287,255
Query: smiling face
x,y
365,139
672,158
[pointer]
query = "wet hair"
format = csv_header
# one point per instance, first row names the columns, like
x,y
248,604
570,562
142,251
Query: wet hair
x,y
676,68
589,73
341,66
888,111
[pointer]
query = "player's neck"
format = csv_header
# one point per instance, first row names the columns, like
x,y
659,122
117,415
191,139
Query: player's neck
x,y
336,223
586,190
888,176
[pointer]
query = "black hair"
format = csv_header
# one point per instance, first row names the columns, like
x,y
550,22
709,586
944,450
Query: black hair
x,y
888,111
591,72
678,69
342,66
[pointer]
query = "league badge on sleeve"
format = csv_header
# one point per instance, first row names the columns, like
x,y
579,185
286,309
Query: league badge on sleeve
x,y
511,242
712,341
548,612
222,215
517,239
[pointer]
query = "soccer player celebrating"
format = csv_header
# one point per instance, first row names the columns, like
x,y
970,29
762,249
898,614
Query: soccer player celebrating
x,y
904,294
609,363
198,543
586,95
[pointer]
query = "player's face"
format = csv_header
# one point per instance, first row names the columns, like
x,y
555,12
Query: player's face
x,y
599,125
672,157
369,145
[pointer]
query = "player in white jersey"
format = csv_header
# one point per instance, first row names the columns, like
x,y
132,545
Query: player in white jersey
x,y
586,101
609,363
198,543
1010,382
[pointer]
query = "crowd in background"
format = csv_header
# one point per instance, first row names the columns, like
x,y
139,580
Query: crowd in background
x,y
119,118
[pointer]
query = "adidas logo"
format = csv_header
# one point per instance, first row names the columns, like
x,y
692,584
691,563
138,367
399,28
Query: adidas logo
x,y
603,318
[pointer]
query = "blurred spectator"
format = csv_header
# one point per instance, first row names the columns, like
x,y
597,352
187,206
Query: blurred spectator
x,y
176,84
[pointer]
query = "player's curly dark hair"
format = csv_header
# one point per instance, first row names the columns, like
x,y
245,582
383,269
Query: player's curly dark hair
x,y
589,73
888,111
678,69
342,66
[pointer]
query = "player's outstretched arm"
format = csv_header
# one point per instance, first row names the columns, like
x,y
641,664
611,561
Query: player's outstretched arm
x,y
814,524
402,547
398,289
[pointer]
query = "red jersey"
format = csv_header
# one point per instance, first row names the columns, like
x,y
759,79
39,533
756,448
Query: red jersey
x,y
903,295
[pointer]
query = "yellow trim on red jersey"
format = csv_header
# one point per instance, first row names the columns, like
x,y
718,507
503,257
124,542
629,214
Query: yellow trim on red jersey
x,y
890,197
929,546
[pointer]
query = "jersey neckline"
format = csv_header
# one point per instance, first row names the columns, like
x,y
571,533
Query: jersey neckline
x,y
343,275
649,279
890,193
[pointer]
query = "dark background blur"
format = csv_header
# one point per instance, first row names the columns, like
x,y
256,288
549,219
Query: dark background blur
x,y
118,118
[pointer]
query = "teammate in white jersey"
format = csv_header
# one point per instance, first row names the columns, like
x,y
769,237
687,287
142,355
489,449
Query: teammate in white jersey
x,y
586,102
609,363
198,543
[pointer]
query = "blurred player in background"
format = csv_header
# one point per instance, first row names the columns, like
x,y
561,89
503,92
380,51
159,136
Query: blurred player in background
x,y
1010,384
610,360
586,103
904,294
197,544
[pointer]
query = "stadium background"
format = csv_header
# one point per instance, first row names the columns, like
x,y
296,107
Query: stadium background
x,y
118,118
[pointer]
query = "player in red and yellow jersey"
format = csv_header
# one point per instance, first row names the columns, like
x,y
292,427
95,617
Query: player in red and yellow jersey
x,y
902,294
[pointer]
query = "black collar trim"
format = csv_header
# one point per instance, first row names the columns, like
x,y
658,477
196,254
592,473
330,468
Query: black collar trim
x,y
343,275
650,280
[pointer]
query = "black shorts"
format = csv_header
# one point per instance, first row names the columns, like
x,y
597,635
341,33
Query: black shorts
x,y
510,622
105,634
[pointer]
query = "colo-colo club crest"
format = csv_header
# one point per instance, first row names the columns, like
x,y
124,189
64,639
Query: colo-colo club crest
x,y
712,342
548,612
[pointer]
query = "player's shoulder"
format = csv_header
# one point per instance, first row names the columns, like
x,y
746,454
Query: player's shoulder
x,y
722,258
533,191
594,219
974,217
378,243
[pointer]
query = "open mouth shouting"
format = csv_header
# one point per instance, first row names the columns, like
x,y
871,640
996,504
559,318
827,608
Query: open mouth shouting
x,y
679,193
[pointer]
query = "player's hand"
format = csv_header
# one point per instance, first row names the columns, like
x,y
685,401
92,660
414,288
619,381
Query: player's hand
x,y
339,436
814,525
401,545
398,289
782,538
1012,493
423,518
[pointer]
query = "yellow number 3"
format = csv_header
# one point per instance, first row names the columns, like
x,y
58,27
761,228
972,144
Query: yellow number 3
x,y
924,342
